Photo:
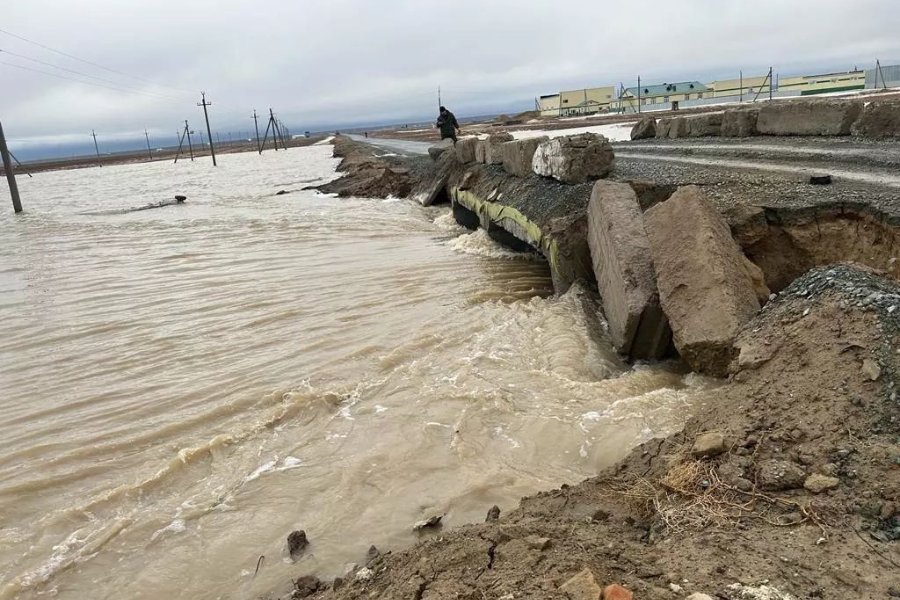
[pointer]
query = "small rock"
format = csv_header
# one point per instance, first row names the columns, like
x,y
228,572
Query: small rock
x,y
744,485
180,198
817,484
699,596
337,583
429,523
538,543
888,510
677,589
364,574
871,369
616,592
780,475
305,586
600,515
372,555
297,542
708,444
493,514
821,179
582,586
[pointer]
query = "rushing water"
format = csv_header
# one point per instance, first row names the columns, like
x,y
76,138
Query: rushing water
x,y
184,386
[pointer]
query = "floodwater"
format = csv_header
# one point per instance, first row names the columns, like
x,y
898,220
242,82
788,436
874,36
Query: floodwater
x,y
182,387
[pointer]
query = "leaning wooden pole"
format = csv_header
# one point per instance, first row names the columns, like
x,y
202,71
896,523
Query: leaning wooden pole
x,y
10,176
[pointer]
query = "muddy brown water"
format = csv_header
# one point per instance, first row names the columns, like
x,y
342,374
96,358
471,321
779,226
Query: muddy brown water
x,y
184,386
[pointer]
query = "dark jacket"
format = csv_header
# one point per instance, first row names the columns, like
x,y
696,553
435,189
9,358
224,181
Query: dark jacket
x,y
447,123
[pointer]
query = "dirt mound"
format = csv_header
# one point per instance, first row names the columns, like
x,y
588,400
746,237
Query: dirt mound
x,y
368,175
792,492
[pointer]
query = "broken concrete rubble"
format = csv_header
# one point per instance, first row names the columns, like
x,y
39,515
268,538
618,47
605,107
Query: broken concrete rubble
x,y
813,117
739,122
481,151
575,158
519,154
582,586
704,125
438,149
465,150
878,120
704,286
492,153
643,129
623,265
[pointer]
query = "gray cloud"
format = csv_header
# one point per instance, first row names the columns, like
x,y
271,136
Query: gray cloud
x,y
350,61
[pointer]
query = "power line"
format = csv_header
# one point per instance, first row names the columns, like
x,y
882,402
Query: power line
x,y
109,87
87,62
115,83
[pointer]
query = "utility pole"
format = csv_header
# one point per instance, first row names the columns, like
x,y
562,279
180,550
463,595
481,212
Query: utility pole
x,y
230,143
187,130
281,133
742,85
273,126
201,139
96,147
771,83
10,176
184,134
256,128
204,104
639,94
440,104
149,152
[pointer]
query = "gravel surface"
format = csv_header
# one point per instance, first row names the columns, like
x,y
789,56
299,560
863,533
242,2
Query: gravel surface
x,y
729,186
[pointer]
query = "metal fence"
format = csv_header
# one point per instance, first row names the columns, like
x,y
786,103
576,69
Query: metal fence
x,y
887,77
747,98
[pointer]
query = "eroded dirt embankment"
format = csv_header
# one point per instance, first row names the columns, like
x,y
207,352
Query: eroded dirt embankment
x,y
795,493
785,483
372,173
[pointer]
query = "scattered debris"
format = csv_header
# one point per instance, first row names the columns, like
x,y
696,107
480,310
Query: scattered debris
x,y
538,543
817,483
871,369
582,586
709,444
429,523
824,179
297,543
306,586
616,592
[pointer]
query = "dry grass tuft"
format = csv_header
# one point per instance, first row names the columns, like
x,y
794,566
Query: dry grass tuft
x,y
692,496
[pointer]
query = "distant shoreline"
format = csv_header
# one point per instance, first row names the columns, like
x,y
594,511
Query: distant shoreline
x,y
135,157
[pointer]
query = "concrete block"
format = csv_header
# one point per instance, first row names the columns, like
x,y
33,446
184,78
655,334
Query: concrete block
x,y
493,155
623,265
519,154
574,158
808,117
465,150
705,288
739,122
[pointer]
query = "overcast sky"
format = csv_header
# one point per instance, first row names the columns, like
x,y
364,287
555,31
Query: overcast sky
x,y
349,61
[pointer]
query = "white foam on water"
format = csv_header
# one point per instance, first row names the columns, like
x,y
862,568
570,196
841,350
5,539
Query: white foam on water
x,y
479,243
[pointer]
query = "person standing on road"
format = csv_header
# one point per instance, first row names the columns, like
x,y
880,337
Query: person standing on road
x,y
448,125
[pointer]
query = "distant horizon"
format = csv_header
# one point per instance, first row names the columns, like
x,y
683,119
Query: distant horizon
x,y
67,146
